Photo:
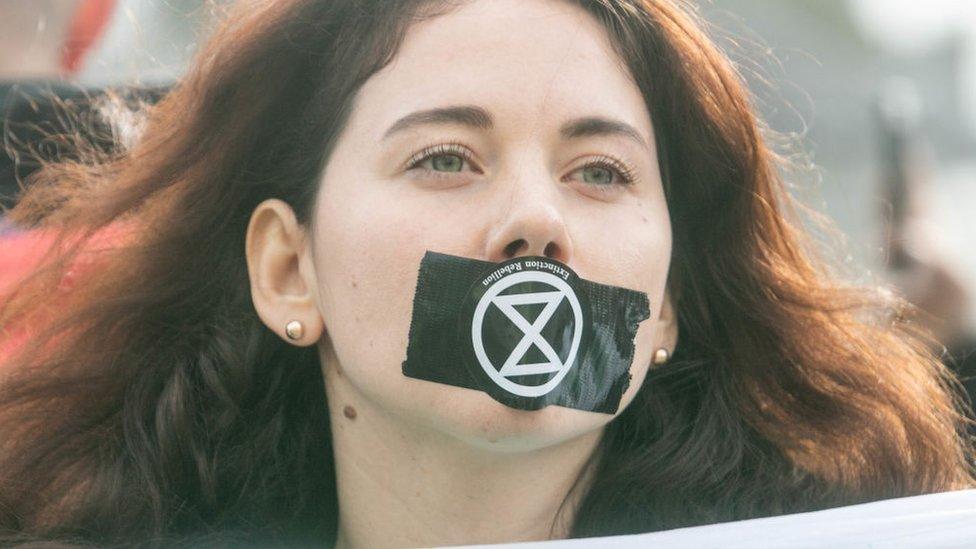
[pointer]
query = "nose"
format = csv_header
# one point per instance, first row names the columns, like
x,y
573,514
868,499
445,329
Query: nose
x,y
532,224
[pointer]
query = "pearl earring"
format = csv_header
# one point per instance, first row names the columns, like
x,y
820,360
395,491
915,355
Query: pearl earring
x,y
294,330
661,356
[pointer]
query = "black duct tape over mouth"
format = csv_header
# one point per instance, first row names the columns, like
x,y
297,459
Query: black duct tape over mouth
x,y
527,331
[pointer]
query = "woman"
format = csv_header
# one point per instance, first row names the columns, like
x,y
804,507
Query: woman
x,y
276,209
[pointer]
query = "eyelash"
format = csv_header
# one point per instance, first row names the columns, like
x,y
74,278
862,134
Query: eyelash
x,y
624,173
457,149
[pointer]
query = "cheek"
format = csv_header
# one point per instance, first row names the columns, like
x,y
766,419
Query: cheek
x,y
369,242
628,246
367,254
655,233
632,249
644,345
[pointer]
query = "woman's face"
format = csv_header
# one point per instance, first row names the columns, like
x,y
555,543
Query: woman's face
x,y
532,128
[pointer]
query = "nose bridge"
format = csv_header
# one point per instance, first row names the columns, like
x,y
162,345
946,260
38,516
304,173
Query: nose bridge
x,y
530,219
530,187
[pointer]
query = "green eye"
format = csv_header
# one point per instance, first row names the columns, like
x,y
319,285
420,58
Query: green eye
x,y
447,163
442,160
597,175
605,173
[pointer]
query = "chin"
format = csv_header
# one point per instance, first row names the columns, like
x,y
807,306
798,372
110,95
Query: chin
x,y
475,418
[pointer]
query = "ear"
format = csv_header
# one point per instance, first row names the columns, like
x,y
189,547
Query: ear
x,y
667,325
282,275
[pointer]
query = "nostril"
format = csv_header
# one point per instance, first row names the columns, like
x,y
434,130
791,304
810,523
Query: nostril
x,y
550,250
514,247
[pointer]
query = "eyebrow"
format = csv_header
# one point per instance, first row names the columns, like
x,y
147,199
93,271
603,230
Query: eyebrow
x,y
480,119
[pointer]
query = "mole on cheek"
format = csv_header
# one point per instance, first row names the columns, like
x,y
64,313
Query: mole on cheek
x,y
349,412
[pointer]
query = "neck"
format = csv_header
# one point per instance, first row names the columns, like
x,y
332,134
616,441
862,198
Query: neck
x,y
403,485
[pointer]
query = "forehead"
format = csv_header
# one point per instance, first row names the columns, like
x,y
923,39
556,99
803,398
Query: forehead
x,y
522,60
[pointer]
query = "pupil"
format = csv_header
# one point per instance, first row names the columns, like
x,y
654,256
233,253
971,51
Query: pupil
x,y
447,162
602,175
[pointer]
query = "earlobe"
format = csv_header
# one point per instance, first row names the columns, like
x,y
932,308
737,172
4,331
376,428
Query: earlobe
x,y
666,331
283,286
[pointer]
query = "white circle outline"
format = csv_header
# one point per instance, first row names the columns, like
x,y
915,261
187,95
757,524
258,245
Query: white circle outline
x,y
478,344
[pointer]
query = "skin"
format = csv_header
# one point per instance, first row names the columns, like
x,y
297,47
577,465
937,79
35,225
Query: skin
x,y
421,463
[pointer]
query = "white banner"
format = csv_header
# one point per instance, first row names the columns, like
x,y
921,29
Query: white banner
x,y
931,521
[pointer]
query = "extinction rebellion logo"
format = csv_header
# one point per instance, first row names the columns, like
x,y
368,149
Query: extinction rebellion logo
x,y
529,332
527,325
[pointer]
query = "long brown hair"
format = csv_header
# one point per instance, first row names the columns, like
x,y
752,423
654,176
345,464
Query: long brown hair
x,y
157,407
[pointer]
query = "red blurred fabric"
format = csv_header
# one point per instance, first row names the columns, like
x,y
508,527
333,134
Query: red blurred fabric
x,y
21,252
89,21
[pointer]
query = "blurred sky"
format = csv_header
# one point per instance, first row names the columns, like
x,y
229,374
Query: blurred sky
x,y
909,26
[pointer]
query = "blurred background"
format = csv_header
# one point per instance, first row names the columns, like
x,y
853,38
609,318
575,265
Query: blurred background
x,y
879,96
